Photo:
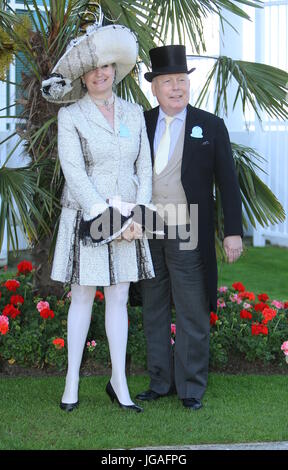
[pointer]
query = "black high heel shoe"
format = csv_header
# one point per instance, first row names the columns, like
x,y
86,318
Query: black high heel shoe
x,y
68,406
110,392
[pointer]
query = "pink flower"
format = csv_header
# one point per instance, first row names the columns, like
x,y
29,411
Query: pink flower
x,y
284,348
173,329
91,345
69,295
172,341
235,298
247,306
42,304
223,289
277,304
221,303
4,325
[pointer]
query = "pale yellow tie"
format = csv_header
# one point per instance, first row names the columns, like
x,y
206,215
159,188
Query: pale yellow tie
x,y
162,152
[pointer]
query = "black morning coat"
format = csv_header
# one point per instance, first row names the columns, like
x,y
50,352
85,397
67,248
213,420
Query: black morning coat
x,y
205,159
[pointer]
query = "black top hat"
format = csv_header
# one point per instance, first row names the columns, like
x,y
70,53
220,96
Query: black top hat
x,y
167,59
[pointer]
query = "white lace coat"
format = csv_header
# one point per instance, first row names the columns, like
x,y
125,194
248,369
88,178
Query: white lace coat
x,y
99,163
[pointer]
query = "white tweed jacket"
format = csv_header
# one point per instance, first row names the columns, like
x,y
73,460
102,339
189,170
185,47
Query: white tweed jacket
x,y
99,162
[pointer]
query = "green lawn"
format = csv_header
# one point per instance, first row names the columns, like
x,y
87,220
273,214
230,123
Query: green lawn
x,y
260,270
236,409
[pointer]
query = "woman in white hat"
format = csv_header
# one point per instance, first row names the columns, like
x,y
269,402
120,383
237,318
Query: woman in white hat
x,y
105,157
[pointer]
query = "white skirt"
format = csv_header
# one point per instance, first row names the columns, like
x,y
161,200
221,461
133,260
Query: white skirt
x,y
85,264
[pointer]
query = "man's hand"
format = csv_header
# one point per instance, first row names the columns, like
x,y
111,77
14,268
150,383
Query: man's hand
x,y
233,247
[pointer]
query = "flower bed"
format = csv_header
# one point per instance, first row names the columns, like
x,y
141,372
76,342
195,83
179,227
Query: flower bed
x,y
249,327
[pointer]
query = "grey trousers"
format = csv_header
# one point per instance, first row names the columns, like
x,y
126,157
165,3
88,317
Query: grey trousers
x,y
180,273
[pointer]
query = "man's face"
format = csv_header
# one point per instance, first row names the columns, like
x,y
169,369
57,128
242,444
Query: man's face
x,y
172,92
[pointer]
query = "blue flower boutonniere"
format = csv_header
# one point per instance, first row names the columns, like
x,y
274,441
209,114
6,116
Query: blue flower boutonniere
x,y
197,132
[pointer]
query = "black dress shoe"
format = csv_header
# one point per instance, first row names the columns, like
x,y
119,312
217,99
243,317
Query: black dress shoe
x,y
192,403
110,392
68,406
149,395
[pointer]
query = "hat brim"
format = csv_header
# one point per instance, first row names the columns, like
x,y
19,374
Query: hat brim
x,y
150,75
112,44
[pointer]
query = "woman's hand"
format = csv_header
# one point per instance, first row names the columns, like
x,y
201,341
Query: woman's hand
x,y
136,230
133,232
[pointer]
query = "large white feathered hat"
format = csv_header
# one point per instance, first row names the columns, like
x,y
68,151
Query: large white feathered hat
x,y
98,46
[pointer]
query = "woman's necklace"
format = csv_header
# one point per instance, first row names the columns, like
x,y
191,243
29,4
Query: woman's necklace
x,y
107,103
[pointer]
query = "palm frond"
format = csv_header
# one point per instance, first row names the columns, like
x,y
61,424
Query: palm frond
x,y
263,87
232,8
260,203
18,187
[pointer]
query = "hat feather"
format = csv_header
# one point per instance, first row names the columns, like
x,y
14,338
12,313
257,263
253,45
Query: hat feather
x,y
55,87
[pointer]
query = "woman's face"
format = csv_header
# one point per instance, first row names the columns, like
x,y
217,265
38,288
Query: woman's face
x,y
100,80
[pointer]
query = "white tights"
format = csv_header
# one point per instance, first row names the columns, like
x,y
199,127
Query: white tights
x,y
116,324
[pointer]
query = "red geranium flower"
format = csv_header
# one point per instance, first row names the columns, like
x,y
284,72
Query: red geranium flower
x,y
247,295
245,314
238,286
259,329
260,306
263,297
99,296
16,299
213,318
11,311
12,285
58,343
25,267
268,314
285,304
46,313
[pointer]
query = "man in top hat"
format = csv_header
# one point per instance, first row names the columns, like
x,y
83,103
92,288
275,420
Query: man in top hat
x,y
190,148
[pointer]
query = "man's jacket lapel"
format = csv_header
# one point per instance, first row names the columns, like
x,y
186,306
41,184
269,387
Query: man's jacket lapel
x,y
190,143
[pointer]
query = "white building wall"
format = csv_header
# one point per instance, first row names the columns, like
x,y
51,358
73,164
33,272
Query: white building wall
x,y
263,41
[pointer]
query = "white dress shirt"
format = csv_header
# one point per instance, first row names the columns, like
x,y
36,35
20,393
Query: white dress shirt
x,y
175,128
